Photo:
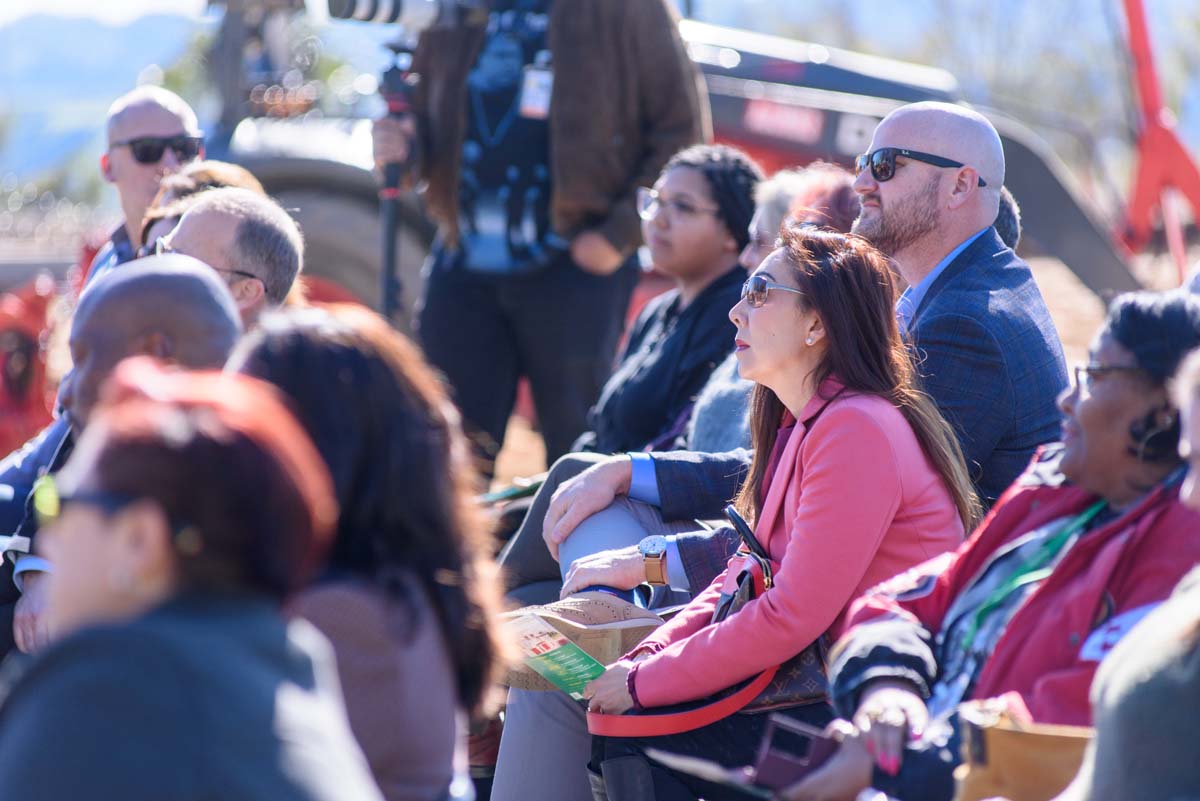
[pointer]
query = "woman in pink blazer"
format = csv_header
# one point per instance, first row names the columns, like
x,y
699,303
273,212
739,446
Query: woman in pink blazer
x,y
856,477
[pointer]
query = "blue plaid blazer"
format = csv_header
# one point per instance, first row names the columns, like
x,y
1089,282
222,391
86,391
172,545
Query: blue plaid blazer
x,y
990,358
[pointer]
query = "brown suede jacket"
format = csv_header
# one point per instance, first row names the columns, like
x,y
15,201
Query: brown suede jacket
x,y
626,98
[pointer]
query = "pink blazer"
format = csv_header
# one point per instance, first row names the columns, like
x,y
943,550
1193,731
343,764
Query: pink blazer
x,y
850,503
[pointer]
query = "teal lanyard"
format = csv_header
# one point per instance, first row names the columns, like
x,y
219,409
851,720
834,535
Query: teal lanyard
x,y
1034,569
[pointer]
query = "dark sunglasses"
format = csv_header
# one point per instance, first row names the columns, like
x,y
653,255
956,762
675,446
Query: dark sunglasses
x,y
883,162
756,289
48,502
150,149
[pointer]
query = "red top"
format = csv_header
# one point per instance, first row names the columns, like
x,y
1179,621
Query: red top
x,y
851,502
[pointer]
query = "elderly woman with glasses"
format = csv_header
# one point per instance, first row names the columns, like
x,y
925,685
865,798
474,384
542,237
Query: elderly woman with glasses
x,y
1087,542
191,507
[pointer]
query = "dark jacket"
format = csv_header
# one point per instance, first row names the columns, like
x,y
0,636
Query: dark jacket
x,y
45,453
667,360
202,698
626,97
990,358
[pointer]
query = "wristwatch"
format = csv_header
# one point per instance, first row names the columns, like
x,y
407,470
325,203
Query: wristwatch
x,y
654,556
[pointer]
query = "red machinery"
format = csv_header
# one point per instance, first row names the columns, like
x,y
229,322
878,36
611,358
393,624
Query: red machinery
x,y
1164,165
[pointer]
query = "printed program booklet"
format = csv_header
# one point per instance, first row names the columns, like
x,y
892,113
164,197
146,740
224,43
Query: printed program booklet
x,y
547,651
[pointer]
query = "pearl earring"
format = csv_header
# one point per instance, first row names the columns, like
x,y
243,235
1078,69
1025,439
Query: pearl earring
x,y
809,341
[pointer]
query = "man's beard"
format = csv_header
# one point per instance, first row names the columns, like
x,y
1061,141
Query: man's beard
x,y
903,222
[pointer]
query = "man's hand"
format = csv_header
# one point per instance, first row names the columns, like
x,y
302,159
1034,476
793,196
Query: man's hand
x,y
843,777
30,628
621,568
609,692
582,496
595,254
889,713
392,139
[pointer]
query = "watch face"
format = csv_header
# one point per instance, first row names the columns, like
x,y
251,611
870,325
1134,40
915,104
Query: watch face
x,y
655,545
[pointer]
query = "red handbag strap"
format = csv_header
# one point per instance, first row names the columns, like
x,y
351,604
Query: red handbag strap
x,y
657,725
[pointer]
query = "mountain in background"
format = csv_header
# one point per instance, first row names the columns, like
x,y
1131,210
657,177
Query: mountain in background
x,y
58,76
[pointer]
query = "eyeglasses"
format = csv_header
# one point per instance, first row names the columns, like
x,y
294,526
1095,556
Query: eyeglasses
x,y
162,247
150,149
756,289
649,201
48,502
1086,374
883,162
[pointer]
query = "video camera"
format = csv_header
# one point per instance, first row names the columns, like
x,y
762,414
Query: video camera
x,y
413,15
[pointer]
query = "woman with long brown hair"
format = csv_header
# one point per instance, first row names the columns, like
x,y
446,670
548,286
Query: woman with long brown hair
x,y
409,595
856,478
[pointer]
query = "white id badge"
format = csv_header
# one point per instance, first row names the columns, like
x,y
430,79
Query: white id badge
x,y
535,92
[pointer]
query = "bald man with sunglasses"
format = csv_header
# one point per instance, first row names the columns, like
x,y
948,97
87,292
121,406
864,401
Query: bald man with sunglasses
x,y
151,133
987,350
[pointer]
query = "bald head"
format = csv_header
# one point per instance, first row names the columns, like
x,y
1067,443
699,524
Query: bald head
x,y
172,307
130,114
947,130
146,113
926,206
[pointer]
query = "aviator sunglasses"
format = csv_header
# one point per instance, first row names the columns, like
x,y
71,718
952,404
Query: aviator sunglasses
x,y
150,149
756,289
883,162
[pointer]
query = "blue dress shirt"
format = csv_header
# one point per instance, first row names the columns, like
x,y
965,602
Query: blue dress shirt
x,y
910,299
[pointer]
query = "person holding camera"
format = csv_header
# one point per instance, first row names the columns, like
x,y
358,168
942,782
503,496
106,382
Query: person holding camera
x,y
531,131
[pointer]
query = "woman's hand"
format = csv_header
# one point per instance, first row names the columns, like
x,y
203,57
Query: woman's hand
x,y
889,714
609,692
843,777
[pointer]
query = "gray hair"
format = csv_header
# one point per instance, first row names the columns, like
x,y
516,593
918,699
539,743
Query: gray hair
x,y
774,195
267,243
1008,219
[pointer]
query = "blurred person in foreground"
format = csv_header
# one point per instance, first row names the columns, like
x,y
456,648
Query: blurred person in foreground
x,y
408,596
151,133
535,128
1092,537
192,507
1147,691
171,307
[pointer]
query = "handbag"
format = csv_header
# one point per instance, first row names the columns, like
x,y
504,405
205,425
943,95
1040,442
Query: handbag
x,y
799,681
1020,761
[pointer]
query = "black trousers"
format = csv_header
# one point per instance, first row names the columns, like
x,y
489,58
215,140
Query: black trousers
x,y
558,327
733,742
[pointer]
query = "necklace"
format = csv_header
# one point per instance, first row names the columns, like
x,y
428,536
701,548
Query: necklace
x,y
491,137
